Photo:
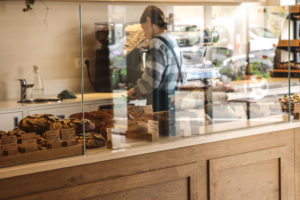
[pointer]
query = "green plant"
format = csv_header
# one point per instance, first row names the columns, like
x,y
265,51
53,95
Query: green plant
x,y
28,4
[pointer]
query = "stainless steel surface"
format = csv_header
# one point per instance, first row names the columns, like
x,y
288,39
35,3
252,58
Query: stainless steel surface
x,y
40,100
24,87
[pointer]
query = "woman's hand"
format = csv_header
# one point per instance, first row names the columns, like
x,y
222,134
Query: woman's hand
x,y
131,94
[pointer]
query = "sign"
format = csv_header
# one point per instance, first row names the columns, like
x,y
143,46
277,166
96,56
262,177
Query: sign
x,y
287,2
153,129
29,142
68,136
52,138
240,112
10,145
148,109
185,126
296,107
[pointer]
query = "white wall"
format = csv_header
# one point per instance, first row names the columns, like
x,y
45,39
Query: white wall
x,y
50,38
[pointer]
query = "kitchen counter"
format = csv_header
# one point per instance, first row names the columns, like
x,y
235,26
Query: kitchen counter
x,y
7,105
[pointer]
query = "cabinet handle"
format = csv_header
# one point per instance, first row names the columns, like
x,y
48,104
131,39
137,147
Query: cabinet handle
x,y
16,121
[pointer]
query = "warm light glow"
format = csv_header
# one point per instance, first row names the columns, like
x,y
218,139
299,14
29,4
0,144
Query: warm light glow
x,y
287,2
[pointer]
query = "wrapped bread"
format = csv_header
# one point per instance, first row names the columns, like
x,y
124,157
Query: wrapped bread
x,y
37,123
101,119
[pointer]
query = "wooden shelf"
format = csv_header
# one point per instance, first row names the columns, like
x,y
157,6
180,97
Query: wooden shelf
x,y
295,9
23,158
286,70
284,45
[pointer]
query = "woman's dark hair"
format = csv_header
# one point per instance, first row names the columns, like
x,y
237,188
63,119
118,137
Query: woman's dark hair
x,y
156,16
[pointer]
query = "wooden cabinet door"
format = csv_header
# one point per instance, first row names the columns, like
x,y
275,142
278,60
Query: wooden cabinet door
x,y
259,175
174,183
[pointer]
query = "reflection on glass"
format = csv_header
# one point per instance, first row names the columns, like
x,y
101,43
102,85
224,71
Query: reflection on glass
x,y
231,59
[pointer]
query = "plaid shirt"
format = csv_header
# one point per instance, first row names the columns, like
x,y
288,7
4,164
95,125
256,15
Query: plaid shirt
x,y
159,57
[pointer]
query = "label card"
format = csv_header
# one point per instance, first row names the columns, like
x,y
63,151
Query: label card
x,y
153,129
297,108
240,112
10,145
68,136
148,109
109,138
185,126
53,138
29,142
141,125
265,109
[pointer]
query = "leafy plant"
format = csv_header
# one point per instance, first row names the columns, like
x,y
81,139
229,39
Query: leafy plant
x,y
28,4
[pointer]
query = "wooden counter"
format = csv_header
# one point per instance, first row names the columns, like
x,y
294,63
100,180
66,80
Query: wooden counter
x,y
255,163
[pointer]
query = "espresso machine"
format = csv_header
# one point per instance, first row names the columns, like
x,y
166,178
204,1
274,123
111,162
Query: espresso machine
x,y
103,76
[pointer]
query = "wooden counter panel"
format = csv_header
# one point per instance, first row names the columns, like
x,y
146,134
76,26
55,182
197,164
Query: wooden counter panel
x,y
265,172
91,173
175,183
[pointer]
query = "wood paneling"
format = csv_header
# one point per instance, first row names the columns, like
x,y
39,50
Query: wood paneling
x,y
265,172
133,175
171,183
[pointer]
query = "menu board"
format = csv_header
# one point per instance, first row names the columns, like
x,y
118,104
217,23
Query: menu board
x,y
52,138
68,137
28,142
10,145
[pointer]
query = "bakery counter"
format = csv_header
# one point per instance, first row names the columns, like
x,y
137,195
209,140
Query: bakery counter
x,y
182,168
11,112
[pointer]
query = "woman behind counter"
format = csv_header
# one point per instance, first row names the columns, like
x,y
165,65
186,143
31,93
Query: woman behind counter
x,y
165,70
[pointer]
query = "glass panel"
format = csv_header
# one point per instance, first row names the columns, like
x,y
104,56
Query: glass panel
x,y
39,55
229,54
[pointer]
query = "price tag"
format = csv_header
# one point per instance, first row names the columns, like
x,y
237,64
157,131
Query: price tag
x,y
142,125
153,129
297,108
240,112
265,109
109,138
185,126
68,136
116,141
53,138
29,142
10,145
148,109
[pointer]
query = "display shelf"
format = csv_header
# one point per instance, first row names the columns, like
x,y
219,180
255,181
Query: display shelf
x,y
284,44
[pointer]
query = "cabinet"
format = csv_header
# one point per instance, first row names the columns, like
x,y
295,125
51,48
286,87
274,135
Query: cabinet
x,y
248,168
10,120
265,172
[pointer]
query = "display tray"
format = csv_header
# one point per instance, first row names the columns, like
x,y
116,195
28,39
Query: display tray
x,y
23,158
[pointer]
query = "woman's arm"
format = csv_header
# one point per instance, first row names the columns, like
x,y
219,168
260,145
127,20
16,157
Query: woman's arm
x,y
151,78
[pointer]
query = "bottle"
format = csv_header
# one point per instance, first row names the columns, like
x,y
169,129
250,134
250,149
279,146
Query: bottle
x,y
38,87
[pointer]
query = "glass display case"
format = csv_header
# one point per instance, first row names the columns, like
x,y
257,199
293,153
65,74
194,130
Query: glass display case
x,y
75,101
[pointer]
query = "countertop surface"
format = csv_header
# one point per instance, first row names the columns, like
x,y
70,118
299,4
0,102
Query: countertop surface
x,y
7,105
103,155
